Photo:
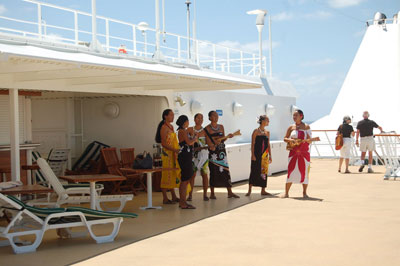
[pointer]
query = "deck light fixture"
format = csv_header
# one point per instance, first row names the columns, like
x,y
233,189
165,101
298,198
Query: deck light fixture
x,y
293,108
187,3
143,27
270,109
260,25
237,109
179,100
196,107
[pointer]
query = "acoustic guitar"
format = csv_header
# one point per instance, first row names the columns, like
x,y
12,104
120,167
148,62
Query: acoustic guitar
x,y
290,145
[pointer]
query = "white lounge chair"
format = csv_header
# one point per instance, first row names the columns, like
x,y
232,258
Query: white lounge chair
x,y
27,220
73,195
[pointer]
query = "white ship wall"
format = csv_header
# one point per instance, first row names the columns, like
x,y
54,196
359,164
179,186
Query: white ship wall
x,y
372,83
253,106
135,127
57,123
52,124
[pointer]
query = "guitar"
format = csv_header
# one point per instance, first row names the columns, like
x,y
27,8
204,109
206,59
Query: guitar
x,y
236,133
297,142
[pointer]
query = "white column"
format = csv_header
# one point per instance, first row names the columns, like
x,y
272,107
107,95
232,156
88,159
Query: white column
x,y
28,135
14,135
194,33
259,28
270,46
134,39
76,29
94,25
157,52
39,12
188,33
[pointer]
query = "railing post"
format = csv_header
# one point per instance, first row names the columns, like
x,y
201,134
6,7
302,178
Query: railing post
x,y
107,35
330,144
214,57
179,48
254,65
228,61
39,10
76,29
134,39
197,53
241,62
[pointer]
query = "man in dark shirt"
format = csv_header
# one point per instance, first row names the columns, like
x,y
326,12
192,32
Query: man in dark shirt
x,y
365,129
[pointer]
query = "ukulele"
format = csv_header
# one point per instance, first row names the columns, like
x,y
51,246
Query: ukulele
x,y
290,145
236,133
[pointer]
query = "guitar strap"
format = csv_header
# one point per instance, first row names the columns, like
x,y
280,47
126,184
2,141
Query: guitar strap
x,y
209,135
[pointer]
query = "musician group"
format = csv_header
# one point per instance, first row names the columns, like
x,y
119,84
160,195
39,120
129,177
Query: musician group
x,y
202,149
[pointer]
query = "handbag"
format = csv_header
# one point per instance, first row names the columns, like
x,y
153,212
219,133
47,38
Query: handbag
x,y
339,140
143,161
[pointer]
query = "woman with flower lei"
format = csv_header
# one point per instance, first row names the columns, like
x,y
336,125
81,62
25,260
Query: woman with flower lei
x,y
299,155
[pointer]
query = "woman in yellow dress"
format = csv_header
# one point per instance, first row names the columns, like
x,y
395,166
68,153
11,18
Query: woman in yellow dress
x,y
169,141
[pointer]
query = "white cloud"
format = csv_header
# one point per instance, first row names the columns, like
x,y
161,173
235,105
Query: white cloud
x,y
344,3
318,15
325,61
282,16
285,16
310,81
3,9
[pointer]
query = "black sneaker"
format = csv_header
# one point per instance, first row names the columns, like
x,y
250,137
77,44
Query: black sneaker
x,y
361,168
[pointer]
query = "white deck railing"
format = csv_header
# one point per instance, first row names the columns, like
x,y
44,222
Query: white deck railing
x,y
139,44
387,150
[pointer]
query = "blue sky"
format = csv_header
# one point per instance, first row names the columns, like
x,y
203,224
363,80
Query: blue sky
x,y
314,41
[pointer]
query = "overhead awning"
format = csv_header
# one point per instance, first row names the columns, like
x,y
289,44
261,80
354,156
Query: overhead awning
x,y
37,68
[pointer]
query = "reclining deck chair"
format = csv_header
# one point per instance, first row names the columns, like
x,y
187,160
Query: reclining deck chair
x,y
90,160
56,161
114,167
27,220
69,195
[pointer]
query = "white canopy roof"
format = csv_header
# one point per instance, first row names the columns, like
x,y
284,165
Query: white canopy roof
x,y
36,68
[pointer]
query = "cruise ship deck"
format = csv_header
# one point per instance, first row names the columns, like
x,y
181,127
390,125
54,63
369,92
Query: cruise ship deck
x,y
350,219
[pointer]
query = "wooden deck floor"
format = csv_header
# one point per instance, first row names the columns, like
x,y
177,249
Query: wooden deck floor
x,y
351,219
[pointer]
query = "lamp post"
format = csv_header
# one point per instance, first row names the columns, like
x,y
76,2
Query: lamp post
x,y
143,26
188,28
195,44
260,25
94,26
157,52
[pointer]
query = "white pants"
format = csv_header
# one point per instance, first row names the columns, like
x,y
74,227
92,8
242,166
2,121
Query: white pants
x,y
345,150
367,144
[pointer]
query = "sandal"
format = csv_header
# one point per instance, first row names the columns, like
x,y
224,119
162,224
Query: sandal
x,y
233,196
187,207
169,202
206,198
176,200
189,198
213,197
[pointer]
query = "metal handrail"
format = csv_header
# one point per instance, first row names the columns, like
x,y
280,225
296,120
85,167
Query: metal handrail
x,y
216,57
